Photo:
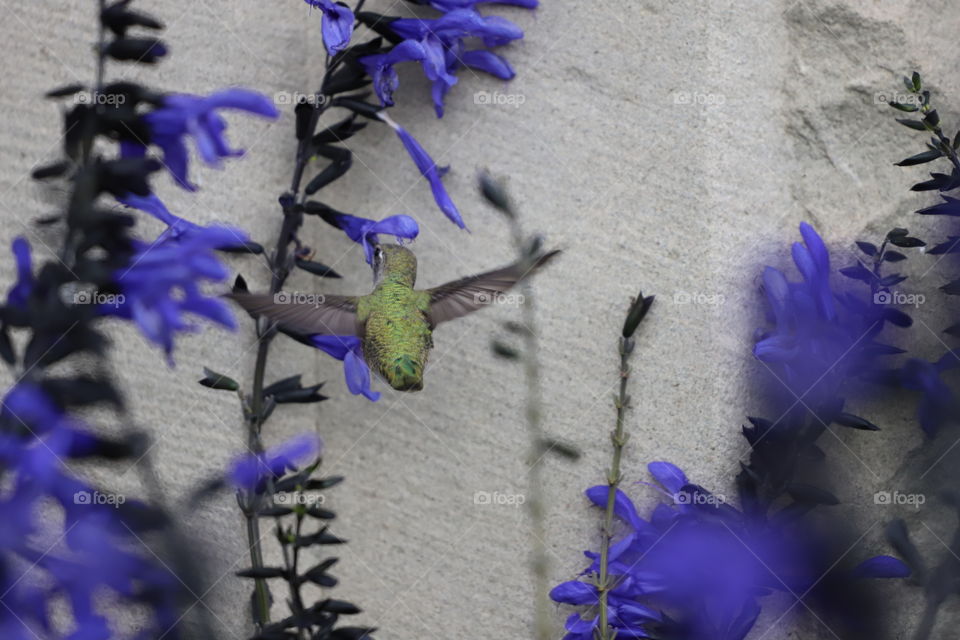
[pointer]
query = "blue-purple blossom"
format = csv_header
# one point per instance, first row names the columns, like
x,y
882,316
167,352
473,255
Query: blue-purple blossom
x,y
442,49
185,116
163,283
427,50
429,169
367,232
99,555
451,5
336,25
460,23
818,337
177,226
349,349
696,568
20,291
252,471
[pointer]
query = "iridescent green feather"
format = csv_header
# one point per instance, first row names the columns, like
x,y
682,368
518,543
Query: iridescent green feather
x,y
397,334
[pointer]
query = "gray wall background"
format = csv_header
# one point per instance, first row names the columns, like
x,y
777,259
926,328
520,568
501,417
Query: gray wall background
x,y
672,146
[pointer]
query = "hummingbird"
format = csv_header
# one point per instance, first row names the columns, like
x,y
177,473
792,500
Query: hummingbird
x,y
395,321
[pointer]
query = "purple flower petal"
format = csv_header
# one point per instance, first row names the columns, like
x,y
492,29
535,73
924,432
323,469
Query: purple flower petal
x,y
489,62
575,592
429,170
881,567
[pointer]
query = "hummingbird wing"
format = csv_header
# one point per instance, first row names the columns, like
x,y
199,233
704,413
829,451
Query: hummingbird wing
x,y
328,315
460,297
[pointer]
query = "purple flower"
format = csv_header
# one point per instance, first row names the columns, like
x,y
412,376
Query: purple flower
x,y
177,226
162,283
427,50
349,349
250,472
428,169
441,49
337,24
460,23
20,291
701,560
451,5
100,556
366,232
197,117
819,338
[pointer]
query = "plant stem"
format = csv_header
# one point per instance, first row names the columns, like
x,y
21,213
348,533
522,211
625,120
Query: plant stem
x,y
279,264
619,440
538,449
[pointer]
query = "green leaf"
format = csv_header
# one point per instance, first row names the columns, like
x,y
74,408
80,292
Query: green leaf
x,y
926,156
215,380
915,80
899,106
504,351
913,124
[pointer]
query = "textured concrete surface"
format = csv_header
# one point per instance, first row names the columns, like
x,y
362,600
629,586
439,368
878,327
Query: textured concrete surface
x,y
672,146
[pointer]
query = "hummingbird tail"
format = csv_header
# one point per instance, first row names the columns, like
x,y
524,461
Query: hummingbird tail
x,y
405,374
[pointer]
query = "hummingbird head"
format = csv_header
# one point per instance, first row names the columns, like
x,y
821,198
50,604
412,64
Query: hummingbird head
x,y
393,262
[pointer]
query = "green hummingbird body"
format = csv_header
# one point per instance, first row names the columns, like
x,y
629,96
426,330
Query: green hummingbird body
x,y
397,336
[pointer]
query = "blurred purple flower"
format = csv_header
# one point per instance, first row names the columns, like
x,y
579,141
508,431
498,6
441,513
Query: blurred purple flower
x,y
20,291
701,560
818,337
251,471
100,554
197,117
162,283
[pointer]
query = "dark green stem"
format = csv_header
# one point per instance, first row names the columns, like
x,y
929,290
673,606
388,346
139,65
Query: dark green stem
x,y
619,440
538,449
